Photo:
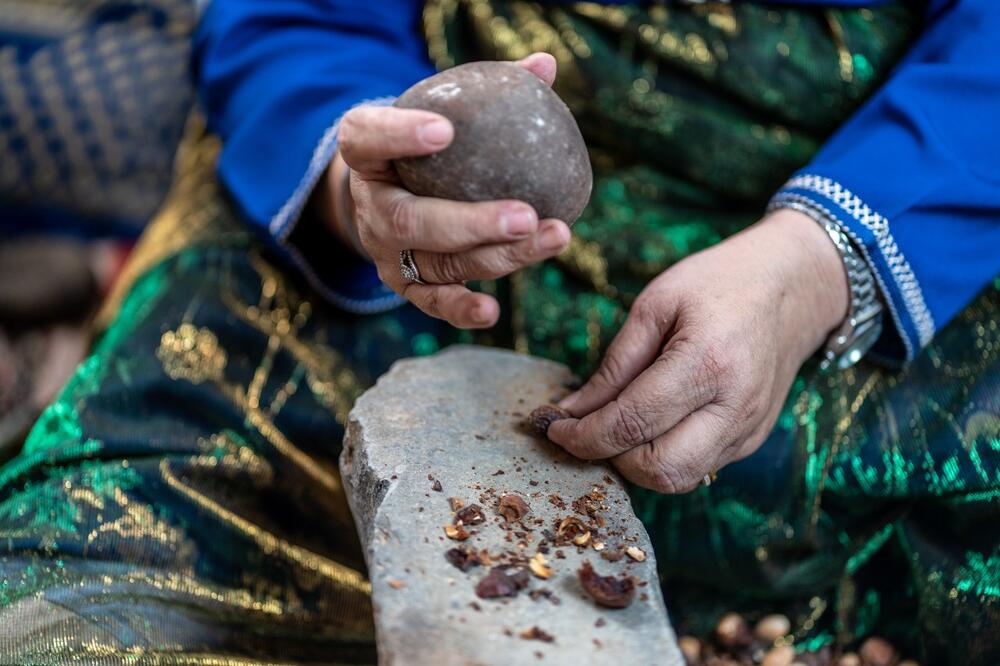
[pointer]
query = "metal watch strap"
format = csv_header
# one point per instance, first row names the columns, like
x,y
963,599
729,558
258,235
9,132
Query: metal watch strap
x,y
863,324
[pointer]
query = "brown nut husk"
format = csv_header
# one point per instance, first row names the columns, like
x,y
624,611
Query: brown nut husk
x,y
513,507
514,139
470,515
607,591
502,581
542,417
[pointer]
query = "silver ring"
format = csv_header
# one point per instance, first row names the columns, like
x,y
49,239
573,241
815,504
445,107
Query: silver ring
x,y
408,267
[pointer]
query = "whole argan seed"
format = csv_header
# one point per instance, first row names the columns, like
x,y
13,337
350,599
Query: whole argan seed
x,y
514,139
732,632
542,417
877,652
691,648
783,655
772,627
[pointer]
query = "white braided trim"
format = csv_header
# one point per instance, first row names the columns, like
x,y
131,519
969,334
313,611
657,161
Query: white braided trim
x,y
283,223
899,267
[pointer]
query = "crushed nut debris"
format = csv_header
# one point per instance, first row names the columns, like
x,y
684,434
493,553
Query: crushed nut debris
x,y
607,591
513,507
539,566
636,553
456,532
536,634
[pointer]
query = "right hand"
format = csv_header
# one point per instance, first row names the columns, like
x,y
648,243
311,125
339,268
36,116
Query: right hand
x,y
451,241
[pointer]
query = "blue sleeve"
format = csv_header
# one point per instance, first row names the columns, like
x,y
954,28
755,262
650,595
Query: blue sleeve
x,y
914,176
274,77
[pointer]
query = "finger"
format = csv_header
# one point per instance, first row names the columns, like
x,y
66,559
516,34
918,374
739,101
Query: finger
x,y
542,65
459,306
670,389
490,262
677,461
633,349
408,222
369,138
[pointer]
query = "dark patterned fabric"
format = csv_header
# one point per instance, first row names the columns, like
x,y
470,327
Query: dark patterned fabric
x,y
94,95
180,503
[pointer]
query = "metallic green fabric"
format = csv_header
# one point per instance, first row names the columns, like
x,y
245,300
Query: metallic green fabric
x,y
179,503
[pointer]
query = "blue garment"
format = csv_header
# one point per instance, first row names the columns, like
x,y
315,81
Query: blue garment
x,y
914,177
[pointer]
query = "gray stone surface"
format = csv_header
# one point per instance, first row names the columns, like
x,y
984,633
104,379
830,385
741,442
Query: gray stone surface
x,y
514,139
458,416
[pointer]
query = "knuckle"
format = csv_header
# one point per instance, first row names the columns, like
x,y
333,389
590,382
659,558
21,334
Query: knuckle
x,y
447,268
403,218
718,364
629,426
669,479
645,312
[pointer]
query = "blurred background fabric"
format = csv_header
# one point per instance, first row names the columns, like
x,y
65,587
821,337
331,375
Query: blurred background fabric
x,y
94,98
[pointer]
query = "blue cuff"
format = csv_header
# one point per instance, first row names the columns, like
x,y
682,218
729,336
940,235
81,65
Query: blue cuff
x,y
339,275
871,232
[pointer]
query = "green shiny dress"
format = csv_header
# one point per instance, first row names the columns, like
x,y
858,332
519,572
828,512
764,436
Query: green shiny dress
x,y
180,503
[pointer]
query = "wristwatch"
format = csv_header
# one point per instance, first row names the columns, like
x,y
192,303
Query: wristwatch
x,y
863,324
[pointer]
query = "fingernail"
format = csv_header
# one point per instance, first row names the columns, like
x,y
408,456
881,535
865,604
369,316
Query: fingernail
x,y
551,239
480,315
568,402
520,221
436,133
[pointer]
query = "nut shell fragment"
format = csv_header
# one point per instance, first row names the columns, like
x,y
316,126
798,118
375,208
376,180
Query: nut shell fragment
x,y
502,581
456,532
607,591
470,515
513,507
539,566
636,553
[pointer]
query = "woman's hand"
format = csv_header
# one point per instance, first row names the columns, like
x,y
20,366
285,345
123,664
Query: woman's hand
x,y
696,377
451,241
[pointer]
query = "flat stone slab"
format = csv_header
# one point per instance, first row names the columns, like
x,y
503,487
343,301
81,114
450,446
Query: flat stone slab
x,y
455,421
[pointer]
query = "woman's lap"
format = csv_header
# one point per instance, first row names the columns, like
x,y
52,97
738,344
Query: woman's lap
x,y
181,501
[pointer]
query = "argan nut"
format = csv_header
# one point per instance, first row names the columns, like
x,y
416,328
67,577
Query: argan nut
x,y
877,652
690,648
849,659
772,627
782,655
514,139
636,553
732,632
542,417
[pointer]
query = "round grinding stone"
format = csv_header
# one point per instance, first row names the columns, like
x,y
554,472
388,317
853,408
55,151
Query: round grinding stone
x,y
514,139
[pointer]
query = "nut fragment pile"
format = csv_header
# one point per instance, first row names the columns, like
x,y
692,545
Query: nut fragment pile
x,y
538,545
734,643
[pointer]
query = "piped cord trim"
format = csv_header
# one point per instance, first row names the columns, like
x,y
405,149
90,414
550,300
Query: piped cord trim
x,y
899,268
282,224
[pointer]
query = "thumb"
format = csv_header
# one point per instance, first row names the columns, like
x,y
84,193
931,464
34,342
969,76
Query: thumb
x,y
541,65
634,349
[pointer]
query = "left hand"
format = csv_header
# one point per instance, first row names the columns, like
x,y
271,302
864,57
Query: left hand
x,y
696,377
